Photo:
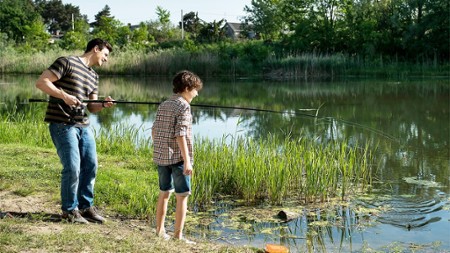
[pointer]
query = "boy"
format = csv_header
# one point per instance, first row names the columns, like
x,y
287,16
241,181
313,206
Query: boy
x,y
173,150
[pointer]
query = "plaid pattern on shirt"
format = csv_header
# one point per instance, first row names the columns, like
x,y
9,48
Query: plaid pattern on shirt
x,y
173,119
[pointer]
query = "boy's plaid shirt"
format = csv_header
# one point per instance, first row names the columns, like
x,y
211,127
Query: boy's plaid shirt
x,y
173,119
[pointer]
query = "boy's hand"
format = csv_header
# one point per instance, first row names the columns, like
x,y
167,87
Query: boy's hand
x,y
187,168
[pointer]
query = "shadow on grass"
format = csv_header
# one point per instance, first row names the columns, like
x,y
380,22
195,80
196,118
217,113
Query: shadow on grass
x,y
41,216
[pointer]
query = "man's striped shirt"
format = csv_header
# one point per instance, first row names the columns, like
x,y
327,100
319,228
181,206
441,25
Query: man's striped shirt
x,y
76,79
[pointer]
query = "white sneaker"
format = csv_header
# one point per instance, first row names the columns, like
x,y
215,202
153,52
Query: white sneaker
x,y
164,236
187,241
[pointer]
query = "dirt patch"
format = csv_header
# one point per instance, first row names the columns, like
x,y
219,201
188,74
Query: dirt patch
x,y
33,207
38,208
9,202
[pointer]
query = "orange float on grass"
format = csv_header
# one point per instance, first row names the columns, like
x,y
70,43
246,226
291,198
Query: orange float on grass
x,y
275,248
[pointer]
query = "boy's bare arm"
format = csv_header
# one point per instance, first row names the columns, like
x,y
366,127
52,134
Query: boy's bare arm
x,y
182,144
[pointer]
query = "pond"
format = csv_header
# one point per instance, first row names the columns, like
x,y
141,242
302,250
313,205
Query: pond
x,y
406,120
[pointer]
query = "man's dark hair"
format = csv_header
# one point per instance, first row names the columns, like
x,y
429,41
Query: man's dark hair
x,y
186,79
98,42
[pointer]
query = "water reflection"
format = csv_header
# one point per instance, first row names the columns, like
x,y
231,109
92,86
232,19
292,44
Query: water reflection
x,y
407,120
335,229
410,214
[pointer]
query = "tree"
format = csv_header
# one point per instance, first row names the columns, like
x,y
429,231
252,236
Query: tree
x,y
266,18
426,32
358,30
326,18
300,30
212,32
35,36
16,16
77,38
163,15
192,24
73,40
106,26
140,37
162,30
161,33
58,16
105,12
81,25
436,23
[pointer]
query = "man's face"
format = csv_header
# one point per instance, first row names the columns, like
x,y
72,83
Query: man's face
x,y
101,55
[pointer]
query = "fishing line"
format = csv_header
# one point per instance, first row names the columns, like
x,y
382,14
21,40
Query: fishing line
x,y
357,125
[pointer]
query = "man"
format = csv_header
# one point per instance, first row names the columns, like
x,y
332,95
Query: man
x,y
69,81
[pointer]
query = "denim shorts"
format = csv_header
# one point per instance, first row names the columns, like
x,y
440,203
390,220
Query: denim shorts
x,y
171,176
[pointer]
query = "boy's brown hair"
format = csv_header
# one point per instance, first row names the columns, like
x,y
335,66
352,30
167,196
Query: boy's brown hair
x,y
186,79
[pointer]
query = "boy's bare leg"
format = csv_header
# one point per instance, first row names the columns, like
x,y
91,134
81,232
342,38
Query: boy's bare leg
x,y
180,215
161,210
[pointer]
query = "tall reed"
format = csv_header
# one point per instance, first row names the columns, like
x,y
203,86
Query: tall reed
x,y
276,170
240,59
122,139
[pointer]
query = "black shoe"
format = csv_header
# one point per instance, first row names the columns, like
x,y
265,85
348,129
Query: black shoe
x,y
74,216
91,215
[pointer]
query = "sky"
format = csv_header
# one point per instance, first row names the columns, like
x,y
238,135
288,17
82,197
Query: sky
x,y
136,11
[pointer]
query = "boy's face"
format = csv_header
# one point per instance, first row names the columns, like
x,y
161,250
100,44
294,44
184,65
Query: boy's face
x,y
190,94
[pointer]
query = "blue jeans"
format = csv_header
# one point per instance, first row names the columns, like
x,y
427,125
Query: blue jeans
x,y
78,155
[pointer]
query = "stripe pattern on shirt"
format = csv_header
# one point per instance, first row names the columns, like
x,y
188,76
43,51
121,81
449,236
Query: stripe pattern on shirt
x,y
76,79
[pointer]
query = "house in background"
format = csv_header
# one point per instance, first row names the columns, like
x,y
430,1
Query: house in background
x,y
235,31
55,37
133,27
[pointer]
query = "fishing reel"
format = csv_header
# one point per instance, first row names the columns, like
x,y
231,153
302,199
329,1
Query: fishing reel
x,y
78,114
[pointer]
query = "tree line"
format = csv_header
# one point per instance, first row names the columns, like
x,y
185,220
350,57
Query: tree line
x,y
409,29
406,30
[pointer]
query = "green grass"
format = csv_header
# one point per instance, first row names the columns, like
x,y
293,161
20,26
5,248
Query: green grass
x,y
126,189
127,185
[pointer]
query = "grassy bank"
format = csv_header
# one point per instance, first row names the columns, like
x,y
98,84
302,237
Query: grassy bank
x,y
29,193
250,59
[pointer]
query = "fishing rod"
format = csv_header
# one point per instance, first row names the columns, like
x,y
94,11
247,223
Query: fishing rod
x,y
293,113
55,100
